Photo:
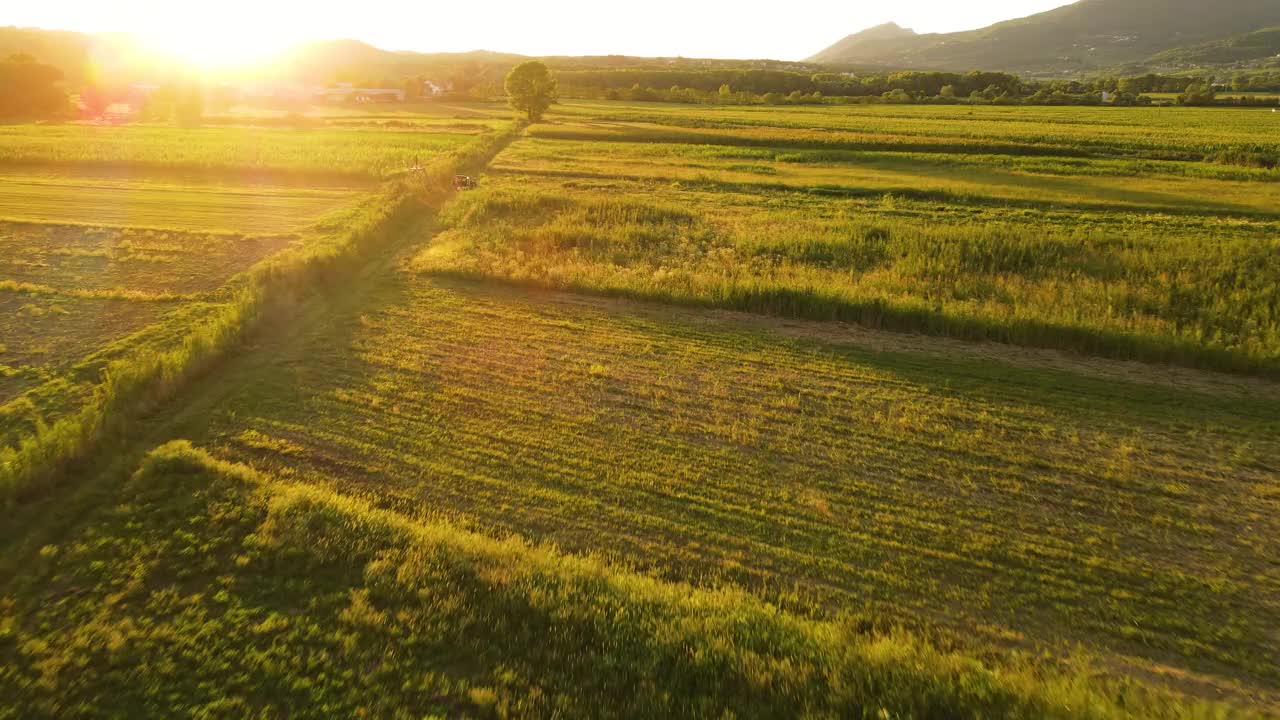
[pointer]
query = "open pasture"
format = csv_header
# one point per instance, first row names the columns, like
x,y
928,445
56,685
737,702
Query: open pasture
x,y
966,179
1092,252
71,290
770,500
128,262
1198,290
238,151
101,260
193,206
1021,505
464,118
306,592
43,332
123,250
68,291
705,151
1151,133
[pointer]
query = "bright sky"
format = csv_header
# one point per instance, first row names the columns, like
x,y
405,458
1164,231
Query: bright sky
x,y
788,30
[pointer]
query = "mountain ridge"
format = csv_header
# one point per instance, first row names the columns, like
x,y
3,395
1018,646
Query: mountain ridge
x,y
1084,36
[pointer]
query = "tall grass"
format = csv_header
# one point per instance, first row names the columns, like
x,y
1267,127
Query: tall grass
x,y
1155,133
1144,293
141,380
305,603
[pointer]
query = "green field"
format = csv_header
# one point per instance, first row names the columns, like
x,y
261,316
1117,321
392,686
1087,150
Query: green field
x,y
236,150
115,242
1174,264
686,411
189,206
1152,133
69,290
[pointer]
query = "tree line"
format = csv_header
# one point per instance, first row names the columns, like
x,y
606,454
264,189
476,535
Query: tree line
x,y
31,89
779,87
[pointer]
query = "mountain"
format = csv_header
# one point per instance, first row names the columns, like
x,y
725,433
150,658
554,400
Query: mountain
x,y
878,40
1086,35
325,60
1248,48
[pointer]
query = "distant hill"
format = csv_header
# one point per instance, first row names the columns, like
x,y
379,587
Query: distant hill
x,y
1087,35
120,60
67,51
1258,46
326,60
880,41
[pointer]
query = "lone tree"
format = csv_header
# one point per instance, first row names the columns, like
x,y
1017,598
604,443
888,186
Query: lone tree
x,y
531,89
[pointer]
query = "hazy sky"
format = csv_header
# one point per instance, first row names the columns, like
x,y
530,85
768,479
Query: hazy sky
x,y
785,30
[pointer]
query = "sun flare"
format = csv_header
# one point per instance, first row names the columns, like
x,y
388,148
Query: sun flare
x,y
211,47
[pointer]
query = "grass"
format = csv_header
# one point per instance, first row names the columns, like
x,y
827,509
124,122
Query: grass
x,y
188,206
131,383
352,153
129,261
153,308
1173,265
150,373
46,332
76,295
71,292
572,420
980,179
723,513
233,594
1152,133
1152,288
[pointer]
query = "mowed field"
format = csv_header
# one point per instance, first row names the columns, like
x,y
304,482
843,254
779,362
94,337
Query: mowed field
x,y
1006,499
242,149
845,431
115,240
188,206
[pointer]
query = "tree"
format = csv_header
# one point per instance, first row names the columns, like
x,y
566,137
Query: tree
x,y
898,96
29,89
531,89
1198,94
